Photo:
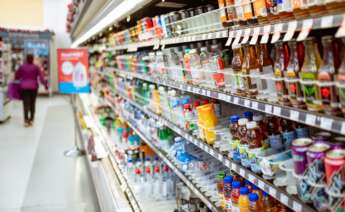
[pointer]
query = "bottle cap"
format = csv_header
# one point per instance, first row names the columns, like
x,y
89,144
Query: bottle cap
x,y
196,104
236,184
242,121
251,125
248,114
148,158
264,193
186,106
204,101
244,190
228,179
234,119
253,197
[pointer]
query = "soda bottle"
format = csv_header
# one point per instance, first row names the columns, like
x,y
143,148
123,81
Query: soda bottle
x,y
340,83
195,67
281,53
236,63
326,77
243,202
308,75
268,203
254,203
292,77
250,64
235,195
259,202
227,193
268,90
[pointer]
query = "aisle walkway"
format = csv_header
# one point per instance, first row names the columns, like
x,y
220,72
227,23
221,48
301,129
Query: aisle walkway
x,y
35,176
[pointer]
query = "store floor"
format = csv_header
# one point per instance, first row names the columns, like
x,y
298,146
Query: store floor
x,y
35,176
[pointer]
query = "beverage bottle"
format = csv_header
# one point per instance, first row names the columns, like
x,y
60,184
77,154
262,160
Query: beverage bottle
x,y
254,135
188,115
157,182
222,12
292,77
217,107
308,75
231,14
253,69
267,83
187,65
220,187
236,63
130,169
254,203
206,66
217,65
243,201
235,195
269,203
248,115
148,177
234,126
340,84
259,202
248,13
195,67
281,54
227,193
260,9
326,76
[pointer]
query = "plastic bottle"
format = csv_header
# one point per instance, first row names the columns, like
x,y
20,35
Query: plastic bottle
x,y
195,67
217,66
235,195
254,203
268,203
227,193
260,203
206,66
243,201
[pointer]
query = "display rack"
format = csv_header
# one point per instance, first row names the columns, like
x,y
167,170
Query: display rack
x,y
5,76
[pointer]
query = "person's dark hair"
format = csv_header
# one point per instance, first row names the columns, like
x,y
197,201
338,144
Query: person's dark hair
x,y
30,58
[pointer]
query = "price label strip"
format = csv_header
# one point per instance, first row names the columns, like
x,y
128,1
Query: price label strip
x,y
237,38
231,36
306,27
290,31
327,21
256,33
266,35
246,35
341,30
277,30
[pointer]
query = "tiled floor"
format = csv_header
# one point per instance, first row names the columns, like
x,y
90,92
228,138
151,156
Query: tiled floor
x,y
35,176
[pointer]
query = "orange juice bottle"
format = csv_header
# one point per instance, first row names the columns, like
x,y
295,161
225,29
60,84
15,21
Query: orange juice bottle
x,y
243,201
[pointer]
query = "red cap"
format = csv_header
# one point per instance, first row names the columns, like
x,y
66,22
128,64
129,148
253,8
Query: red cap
x,y
187,106
204,101
196,103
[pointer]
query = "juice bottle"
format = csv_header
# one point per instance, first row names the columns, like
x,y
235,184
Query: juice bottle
x,y
268,90
242,130
254,203
259,202
250,65
308,75
223,15
281,53
243,202
227,193
254,136
291,77
268,203
220,188
206,65
195,67
340,83
236,63
232,20
248,12
235,195
326,77
217,65
234,126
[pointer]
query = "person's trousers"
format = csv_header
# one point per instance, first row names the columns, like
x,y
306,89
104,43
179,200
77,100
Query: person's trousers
x,y
29,103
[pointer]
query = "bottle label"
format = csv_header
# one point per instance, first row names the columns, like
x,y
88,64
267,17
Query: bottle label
x,y
310,89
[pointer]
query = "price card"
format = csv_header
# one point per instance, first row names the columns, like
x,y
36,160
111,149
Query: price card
x,y
231,36
156,45
310,119
237,38
236,100
306,27
234,166
242,172
292,25
246,35
246,103
203,92
255,105
277,110
261,184
296,206
227,163
212,152
123,187
225,33
208,93
251,178
218,34
326,123
132,48
266,35
204,36
220,157
272,191
284,199
294,115
268,108
327,21
341,30
209,35
342,128
277,30
255,37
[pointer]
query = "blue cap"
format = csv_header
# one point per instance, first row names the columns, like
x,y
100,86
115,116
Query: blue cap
x,y
234,119
185,100
228,179
264,193
236,184
156,157
254,187
148,158
248,114
244,190
253,197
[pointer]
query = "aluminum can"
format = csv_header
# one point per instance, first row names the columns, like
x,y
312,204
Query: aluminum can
x,y
322,136
316,154
334,161
299,154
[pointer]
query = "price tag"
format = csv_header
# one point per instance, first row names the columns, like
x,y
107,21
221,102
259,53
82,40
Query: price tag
x,y
266,35
306,27
220,157
294,115
227,163
208,93
310,119
296,206
268,108
246,36
341,30
209,35
236,100
277,30
237,38
272,191
132,48
255,36
242,172
327,21
246,103
212,152
326,123
203,92
231,36
204,36
255,105
123,187
225,33
221,96
261,184
290,31
284,199
193,38
277,110
156,45
342,128
233,166
218,34
251,178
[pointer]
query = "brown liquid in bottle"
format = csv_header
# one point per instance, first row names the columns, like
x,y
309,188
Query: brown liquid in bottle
x,y
237,61
281,53
340,84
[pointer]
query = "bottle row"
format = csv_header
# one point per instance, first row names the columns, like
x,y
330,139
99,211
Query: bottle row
x,y
287,153
288,73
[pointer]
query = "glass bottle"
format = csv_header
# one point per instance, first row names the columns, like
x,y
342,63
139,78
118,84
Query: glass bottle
x,y
250,65
206,65
236,63
281,53
340,83
217,66
326,77
291,77
308,75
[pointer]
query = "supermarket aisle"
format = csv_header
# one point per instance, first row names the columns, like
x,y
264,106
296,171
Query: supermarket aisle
x,y
35,175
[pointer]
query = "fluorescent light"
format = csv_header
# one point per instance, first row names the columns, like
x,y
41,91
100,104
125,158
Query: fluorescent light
x,y
125,7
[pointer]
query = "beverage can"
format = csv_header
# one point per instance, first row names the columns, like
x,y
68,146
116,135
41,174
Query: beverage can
x,y
316,167
334,162
322,136
299,154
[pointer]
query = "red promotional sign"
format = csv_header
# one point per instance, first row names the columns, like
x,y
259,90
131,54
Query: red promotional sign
x,y
73,71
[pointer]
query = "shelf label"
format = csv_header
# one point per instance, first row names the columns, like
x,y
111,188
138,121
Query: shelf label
x,y
327,21
237,38
306,27
284,199
268,108
277,30
231,36
246,36
261,185
277,110
156,45
272,191
342,131
242,172
341,30
236,100
218,34
255,36
255,105
292,25
227,163
246,103
266,35
326,123
294,115
296,206
310,119
220,157
251,178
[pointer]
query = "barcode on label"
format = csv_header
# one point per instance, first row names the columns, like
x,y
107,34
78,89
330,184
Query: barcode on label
x,y
310,119
272,191
326,123
268,108
294,115
277,110
284,199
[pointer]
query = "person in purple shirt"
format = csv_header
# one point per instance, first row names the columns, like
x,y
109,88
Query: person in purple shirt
x,y
28,74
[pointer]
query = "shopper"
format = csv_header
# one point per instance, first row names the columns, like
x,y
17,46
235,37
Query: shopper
x,y
28,75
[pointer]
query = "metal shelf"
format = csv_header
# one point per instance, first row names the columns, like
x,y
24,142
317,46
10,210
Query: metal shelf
x,y
278,193
319,120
